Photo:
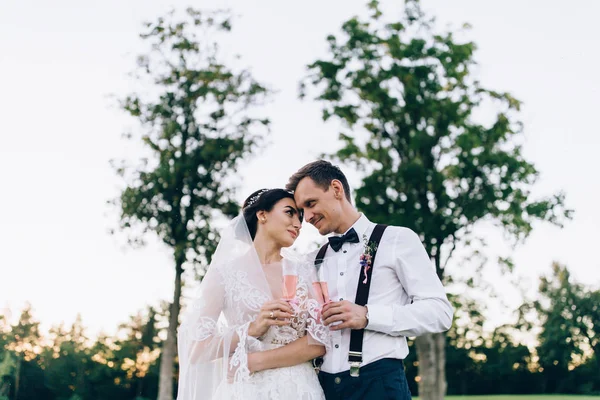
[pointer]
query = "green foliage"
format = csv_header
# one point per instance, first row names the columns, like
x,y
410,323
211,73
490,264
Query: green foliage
x,y
68,362
199,121
123,366
570,335
409,104
562,362
71,366
197,127
7,365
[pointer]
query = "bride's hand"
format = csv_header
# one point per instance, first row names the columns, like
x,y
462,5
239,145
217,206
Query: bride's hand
x,y
272,313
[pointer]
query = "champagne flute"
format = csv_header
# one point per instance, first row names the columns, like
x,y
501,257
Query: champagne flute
x,y
320,289
290,280
320,285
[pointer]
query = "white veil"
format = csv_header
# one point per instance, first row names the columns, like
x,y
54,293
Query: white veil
x,y
213,340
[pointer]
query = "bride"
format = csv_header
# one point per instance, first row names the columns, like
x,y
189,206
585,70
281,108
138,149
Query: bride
x,y
239,339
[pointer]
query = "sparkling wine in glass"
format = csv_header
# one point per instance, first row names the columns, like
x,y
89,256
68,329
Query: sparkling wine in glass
x,y
318,292
289,286
290,280
320,286
321,291
325,291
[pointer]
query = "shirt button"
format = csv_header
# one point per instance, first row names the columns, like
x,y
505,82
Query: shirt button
x,y
338,380
337,346
341,298
341,274
345,251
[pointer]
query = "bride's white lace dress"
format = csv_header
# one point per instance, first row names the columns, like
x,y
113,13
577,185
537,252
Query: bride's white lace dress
x,y
213,340
297,382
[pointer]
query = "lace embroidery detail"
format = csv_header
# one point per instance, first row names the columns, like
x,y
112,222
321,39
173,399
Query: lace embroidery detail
x,y
239,359
242,301
305,319
213,339
241,294
314,326
205,328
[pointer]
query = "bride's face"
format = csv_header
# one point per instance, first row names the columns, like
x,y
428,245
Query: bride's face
x,y
282,222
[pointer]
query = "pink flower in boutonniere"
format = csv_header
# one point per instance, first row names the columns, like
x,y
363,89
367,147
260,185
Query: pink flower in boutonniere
x,y
366,259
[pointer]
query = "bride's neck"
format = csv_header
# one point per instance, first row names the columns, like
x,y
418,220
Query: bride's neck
x,y
268,251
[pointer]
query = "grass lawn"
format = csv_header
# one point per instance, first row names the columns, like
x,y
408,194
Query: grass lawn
x,y
530,397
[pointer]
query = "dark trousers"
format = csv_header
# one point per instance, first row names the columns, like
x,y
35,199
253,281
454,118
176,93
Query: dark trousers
x,y
380,380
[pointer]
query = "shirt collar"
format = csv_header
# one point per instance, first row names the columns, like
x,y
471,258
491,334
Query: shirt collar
x,y
361,225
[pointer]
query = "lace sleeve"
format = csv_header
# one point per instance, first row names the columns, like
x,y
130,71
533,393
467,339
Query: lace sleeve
x,y
201,323
318,333
211,349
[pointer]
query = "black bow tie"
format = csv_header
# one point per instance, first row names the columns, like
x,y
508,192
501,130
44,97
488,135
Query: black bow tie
x,y
336,242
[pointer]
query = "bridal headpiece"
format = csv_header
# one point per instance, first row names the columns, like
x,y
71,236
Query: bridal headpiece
x,y
255,198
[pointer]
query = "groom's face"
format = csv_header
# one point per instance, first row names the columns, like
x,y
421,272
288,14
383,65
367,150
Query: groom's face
x,y
321,208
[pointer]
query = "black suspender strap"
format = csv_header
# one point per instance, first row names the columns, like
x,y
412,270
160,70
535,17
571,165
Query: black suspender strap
x,y
321,256
362,296
317,362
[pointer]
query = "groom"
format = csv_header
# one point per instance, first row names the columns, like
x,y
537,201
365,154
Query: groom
x,y
401,292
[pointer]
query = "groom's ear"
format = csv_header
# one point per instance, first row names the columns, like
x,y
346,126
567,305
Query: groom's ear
x,y
338,189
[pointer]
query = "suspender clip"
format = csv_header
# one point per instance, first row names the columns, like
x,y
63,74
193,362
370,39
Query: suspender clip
x,y
354,359
354,369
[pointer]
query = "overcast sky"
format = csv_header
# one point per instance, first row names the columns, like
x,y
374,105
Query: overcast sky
x,y
60,61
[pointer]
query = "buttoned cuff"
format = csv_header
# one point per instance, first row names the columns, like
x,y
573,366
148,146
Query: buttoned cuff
x,y
380,318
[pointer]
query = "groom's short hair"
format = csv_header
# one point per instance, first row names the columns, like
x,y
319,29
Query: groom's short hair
x,y
322,173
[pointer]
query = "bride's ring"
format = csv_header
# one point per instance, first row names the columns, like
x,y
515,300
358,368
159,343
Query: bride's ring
x,y
272,315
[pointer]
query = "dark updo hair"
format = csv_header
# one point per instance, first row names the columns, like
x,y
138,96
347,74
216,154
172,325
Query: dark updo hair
x,y
262,200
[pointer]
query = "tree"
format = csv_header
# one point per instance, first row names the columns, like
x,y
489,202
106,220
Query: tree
x,y
138,350
590,322
507,361
68,362
7,363
24,343
464,337
570,319
7,368
197,126
406,97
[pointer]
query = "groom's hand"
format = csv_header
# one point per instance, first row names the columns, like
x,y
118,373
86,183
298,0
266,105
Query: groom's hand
x,y
352,315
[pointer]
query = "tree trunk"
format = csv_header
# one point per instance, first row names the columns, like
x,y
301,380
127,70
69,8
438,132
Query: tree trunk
x,y
140,386
167,359
17,376
431,353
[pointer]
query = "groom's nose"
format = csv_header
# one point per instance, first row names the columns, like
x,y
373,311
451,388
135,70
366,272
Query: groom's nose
x,y
308,215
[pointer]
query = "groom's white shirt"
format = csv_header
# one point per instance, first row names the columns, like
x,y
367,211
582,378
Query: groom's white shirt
x,y
402,273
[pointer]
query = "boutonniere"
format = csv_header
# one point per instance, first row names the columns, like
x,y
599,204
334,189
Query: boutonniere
x,y
366,258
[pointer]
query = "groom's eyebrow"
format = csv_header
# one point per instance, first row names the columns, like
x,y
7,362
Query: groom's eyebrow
x,y
307,201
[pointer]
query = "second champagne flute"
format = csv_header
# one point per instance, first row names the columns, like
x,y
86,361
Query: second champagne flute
x,y
320,286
